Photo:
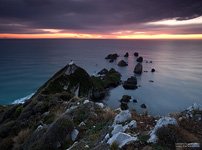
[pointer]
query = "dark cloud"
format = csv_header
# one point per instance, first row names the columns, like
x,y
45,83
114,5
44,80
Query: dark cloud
x,y
92,16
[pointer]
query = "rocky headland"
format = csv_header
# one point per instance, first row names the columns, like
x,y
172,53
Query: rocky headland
x,y
66,114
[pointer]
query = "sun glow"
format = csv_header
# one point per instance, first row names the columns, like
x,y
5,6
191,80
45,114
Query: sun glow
x,y
54,34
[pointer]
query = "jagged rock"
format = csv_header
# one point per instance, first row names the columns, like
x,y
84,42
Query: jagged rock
x,y
112,56
103,72
138,68
122,63
126,55
121,139
130,83
140,59
153,70
136,54
164,121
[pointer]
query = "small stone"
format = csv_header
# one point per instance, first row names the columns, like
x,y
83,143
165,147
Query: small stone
x,y
143,106
153,70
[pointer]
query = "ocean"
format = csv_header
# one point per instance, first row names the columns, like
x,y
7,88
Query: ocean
x,y
26,64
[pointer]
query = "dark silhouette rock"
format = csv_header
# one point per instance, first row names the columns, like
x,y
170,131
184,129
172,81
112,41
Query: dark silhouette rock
x,y
125,98
140,59
103,72
147,61
122,63
150,62
111,60
124,106
145,71
153,70
143,106
138,68
134,101
151,81
136,54
126,55
130,83
112,56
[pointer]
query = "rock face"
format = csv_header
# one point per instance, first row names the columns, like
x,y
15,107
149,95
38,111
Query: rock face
x,y
138,68
71,79
140,59
136,54
55,137
122,63
112,56
126,55
130,83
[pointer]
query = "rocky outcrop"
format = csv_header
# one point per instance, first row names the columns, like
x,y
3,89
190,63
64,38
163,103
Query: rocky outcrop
x,y
138,68
103,72
130,83
122,63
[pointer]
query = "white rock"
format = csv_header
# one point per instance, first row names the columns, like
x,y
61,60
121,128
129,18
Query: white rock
x,y
82,124
117,128
39,127
74,134
123,116
121,139
86,101
86,146
164,121
101,105
71,108
132,124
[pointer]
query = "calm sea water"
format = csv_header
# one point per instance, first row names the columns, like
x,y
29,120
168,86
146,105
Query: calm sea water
x,y
26,64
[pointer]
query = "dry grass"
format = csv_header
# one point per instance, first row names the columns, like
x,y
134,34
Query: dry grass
x,y
21,137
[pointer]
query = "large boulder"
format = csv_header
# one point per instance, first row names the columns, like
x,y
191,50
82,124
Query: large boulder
x,y
122,63
140,59
125,98
138,68
130,83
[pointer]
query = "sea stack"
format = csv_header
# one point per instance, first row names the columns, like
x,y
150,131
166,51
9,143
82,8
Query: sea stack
x,y
138,68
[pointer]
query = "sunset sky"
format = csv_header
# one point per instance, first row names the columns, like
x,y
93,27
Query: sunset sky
x,y
102,19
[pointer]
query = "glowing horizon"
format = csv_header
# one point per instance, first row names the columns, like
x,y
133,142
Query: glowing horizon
x,y
100,36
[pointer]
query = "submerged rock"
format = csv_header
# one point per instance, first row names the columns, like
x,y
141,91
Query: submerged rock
x,y
140,59
130,83
122,63
143,106
126,55
138,68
